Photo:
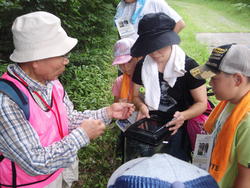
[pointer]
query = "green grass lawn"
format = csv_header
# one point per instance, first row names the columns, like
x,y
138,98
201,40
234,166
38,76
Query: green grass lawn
x,y
214,15
211,16
208,16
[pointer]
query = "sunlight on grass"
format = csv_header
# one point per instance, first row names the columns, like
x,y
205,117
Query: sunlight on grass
x,y
190,45
208,16
215,16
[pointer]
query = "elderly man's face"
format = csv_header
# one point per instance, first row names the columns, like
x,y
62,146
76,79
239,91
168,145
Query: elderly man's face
x,y
49,69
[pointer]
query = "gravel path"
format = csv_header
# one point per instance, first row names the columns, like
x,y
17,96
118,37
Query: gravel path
x,y
213,28
217,39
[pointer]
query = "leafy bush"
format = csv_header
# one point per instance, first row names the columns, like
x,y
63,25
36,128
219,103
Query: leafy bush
x,y
98,161
89,86
81,19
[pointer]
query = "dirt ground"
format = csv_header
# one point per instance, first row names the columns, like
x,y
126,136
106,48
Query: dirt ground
x,y
217,39
214,29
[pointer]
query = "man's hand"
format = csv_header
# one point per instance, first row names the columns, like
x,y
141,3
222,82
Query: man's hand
x,y
120,110
93,128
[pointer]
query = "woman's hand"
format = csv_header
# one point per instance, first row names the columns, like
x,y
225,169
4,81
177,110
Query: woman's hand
x,y
143,112
176,122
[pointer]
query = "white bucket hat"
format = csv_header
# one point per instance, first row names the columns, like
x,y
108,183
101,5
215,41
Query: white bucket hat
x,y
39,35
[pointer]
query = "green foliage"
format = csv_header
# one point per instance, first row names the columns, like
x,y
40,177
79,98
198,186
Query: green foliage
x,y
241,6
98,161
89,21
89,86
2,67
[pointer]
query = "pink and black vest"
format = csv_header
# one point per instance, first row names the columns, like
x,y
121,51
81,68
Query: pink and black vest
x,y
46,126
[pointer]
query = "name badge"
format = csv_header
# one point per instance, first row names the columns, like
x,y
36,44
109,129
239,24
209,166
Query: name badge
x,y
125,27
202,151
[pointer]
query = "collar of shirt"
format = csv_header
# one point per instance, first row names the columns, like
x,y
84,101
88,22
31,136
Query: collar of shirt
x,y
44,90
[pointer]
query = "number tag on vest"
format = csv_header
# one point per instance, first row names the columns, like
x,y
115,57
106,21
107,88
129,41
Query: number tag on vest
x,y
125,27
202,151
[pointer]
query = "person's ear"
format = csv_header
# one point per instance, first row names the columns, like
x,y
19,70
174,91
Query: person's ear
x,y
35,63
238,78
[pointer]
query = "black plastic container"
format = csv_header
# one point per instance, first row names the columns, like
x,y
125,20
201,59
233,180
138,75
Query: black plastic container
x,y
150,131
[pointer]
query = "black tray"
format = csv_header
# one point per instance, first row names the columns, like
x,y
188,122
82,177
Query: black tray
x,y
149,131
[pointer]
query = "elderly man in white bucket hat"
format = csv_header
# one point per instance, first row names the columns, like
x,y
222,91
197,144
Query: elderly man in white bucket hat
x,y
40,132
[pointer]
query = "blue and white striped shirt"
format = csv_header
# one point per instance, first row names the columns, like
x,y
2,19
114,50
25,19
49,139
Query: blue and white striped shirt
x,y
20,143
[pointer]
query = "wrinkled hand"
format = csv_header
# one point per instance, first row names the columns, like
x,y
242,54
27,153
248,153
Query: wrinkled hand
x,y
93,128
120,110
143,112
176,122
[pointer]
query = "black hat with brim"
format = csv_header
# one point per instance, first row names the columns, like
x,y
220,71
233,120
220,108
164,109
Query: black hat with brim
x,y
155,31
148,44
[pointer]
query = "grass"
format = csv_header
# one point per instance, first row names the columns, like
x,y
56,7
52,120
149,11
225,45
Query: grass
x,y
208,16
213,15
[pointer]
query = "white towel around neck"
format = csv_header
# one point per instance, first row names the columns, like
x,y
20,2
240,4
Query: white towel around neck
x,y
174,68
